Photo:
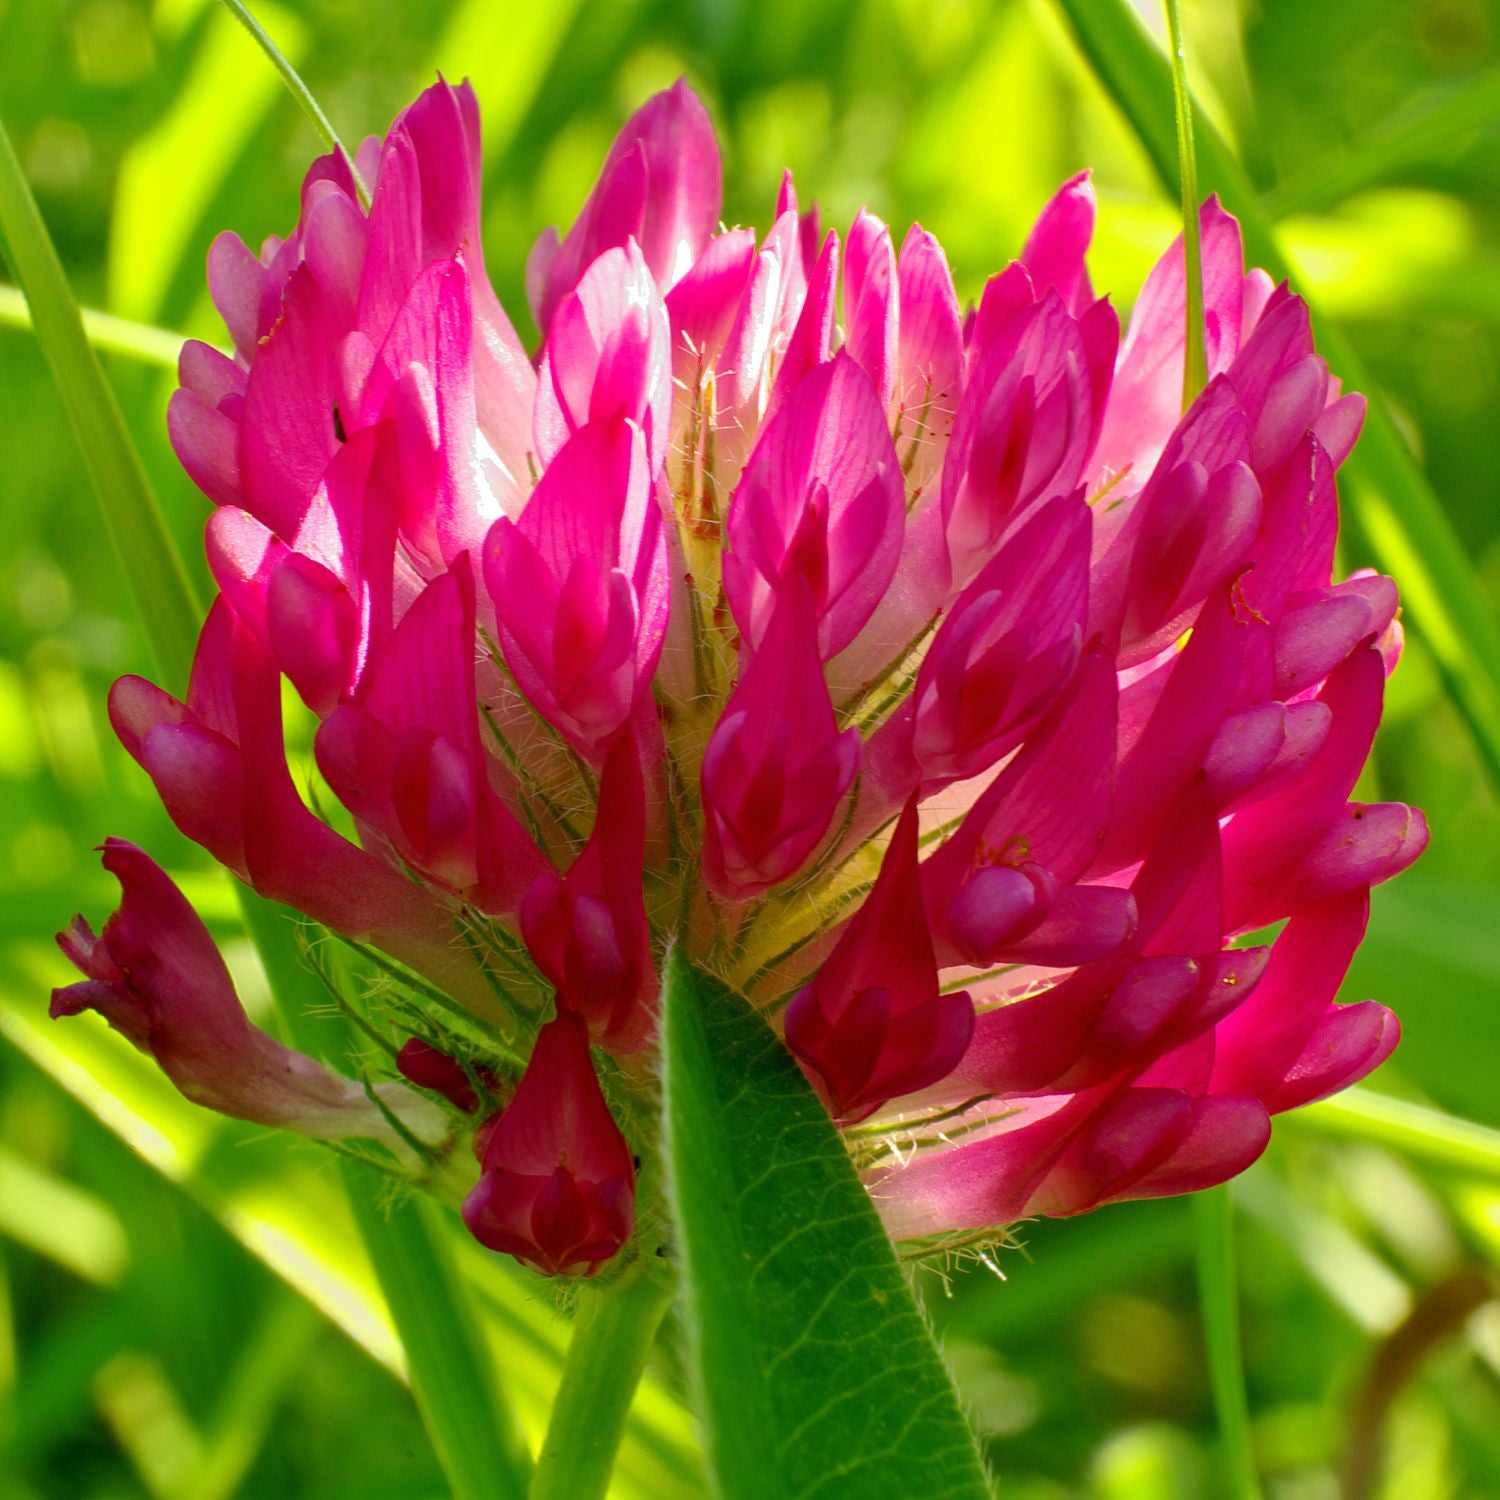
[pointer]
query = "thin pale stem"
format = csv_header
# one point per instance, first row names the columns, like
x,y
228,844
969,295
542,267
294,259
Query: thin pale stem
x,y
138,341
299,91
1195,358
613,1333
1213,1225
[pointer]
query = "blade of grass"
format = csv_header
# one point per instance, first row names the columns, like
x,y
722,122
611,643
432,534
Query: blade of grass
x,y
1213,1224
1428,1134
1195,362
138,341
169,175
1427,132
299,91
153,569
478,1441
1402,521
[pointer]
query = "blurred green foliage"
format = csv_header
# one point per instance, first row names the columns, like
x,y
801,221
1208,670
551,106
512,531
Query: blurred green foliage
x,y
145,1347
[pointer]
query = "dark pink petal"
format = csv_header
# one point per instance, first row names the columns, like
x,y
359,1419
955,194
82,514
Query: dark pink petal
x,y
155,975
557,1184
242,291
1028,421
873,1025
812,340
206,443
871,303
406,757
580,586
776,768
930,358
1009,644
587,930
661,184
1059,240
821,501
607,357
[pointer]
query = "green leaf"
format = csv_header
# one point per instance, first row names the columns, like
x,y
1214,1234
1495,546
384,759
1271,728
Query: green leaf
x,y
152,567
1405,526
815,1371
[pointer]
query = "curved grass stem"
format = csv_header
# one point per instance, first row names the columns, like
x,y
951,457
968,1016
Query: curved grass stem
x,y
299,91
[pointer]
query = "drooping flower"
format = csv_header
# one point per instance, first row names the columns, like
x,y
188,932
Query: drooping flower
x,y
932,677
556,1182
156,976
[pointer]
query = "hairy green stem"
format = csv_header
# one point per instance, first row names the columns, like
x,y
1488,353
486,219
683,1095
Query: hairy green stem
x,y
613,1331
1213,1225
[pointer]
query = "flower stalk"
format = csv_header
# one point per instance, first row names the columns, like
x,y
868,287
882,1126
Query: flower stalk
x,y
614,1330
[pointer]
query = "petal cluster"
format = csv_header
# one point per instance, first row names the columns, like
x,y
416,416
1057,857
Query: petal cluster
x,y
926,672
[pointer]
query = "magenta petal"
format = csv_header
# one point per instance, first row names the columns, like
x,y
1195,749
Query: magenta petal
x,y
820,500
1055,248
661,183
557,1184
776,768
206,443
873,1025
155,975
580,585
871,302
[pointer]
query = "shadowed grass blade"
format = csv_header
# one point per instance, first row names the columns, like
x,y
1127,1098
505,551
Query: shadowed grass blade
x,y
157,580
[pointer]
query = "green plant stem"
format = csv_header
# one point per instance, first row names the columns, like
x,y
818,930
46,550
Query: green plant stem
x,y
1195,353
153,568
299,91
478,1441
1213,1227
614,1329
1416,1129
